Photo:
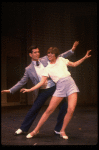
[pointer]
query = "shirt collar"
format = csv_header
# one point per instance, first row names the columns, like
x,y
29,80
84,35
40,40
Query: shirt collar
x,y
34,62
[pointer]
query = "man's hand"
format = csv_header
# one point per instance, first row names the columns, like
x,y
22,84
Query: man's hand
x,y
75,45
5,91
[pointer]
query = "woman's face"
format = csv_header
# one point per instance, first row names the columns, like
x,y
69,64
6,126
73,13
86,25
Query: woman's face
x,y
51,56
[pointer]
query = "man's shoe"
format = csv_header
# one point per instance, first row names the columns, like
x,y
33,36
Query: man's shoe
x,y
19,132
56,132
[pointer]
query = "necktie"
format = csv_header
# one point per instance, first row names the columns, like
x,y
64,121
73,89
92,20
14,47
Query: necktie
x,y
37,63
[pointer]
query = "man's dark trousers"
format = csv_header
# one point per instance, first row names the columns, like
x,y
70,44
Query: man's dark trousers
x,y
40,100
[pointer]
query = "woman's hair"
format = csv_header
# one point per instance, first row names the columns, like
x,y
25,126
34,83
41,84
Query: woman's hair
x,y
53,50
31,48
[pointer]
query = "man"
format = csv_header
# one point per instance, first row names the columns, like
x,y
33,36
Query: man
x,y
34,72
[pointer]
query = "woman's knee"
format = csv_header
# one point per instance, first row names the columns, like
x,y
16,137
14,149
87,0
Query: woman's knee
x,y
72,102
70,110
49,111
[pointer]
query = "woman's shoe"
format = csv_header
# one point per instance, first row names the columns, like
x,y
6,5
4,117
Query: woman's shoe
x,y
30,136
63,136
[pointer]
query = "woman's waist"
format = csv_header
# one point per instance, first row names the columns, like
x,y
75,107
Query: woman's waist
x,y
64,78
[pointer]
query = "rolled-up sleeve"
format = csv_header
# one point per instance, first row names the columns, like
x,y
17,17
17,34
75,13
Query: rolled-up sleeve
x,y
46,74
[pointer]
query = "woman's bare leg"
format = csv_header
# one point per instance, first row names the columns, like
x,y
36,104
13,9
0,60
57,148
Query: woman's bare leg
x,y
52,106
72,101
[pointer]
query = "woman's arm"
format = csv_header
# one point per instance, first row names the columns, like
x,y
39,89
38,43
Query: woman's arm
x,y
75,64
23,90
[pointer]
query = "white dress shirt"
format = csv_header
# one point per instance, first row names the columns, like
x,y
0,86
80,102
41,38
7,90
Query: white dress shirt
x,y
40,70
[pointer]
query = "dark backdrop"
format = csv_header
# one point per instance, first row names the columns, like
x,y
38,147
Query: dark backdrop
x,y
57,24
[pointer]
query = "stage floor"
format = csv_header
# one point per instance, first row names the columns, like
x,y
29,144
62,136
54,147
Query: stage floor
x,y
82,129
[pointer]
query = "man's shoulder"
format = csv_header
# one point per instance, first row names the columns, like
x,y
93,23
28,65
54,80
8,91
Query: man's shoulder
x,y
44,58
44,61
29,66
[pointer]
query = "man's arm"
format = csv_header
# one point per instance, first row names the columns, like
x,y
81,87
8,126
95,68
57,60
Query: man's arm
x,y
71,51
65,54
17,86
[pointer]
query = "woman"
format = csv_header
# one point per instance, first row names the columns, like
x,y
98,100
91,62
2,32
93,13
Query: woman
x,y
65,87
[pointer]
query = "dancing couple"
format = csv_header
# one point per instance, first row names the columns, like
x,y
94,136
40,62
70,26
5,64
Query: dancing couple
x,y
34,72
65,87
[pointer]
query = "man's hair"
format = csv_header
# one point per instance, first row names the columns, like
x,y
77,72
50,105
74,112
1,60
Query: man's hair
x,y
53,50
31,48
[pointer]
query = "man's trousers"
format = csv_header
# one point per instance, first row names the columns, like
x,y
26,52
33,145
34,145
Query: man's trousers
x,y
38,103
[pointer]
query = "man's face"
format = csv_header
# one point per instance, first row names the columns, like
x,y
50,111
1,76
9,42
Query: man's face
x,y
35,54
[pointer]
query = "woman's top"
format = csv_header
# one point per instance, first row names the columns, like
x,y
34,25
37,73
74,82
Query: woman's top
x,y
58,70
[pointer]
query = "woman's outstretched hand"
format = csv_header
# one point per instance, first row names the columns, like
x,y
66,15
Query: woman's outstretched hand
x,y
23,90
87,54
